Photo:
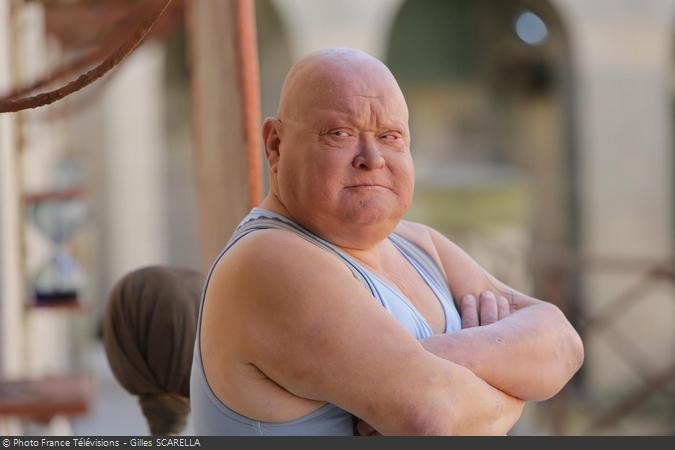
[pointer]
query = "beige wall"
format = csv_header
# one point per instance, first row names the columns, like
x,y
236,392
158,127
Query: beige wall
x,y
312,25
622,56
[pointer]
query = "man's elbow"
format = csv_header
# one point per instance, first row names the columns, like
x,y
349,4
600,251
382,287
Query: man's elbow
x,y
569,356
433,419
577,352
419,418
493,418
472,407
427,410
572,347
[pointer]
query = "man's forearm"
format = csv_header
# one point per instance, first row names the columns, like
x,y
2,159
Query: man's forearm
x,y
530,354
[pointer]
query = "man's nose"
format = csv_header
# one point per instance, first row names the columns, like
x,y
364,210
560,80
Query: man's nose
x,y
369,157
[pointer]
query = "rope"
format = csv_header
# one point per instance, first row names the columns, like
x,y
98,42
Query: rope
x,y
14,105
111,38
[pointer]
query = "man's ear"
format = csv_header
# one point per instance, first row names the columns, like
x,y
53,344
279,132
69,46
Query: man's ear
x,y
272,141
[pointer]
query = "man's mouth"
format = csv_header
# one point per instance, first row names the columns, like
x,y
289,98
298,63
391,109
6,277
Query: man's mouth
x,y
367,185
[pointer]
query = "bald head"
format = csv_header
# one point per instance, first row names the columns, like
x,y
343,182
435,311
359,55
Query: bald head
x,y
339,150
330,74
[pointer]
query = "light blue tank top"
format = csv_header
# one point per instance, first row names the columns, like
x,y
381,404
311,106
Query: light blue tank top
x,y
210,416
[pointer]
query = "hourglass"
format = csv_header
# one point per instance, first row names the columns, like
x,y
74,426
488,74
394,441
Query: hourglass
x,y
58,215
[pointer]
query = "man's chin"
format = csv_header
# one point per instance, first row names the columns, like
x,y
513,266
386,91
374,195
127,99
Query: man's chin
x,y
358,228
369,213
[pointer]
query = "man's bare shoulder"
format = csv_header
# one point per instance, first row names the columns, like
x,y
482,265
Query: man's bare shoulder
x,y
274,256
266,246
434,243
431,240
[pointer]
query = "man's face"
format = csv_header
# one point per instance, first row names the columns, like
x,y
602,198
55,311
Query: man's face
x,y
344,158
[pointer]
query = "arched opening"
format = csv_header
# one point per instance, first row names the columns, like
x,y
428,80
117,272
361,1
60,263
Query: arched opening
x,y
488,85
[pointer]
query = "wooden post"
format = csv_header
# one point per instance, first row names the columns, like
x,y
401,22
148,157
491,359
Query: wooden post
x,y
225,117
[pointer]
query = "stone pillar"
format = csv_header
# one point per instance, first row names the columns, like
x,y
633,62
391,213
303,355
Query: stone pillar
x,y
46,330
11,264
134,230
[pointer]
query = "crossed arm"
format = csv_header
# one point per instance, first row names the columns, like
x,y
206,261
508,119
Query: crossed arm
x,y
323,338
530,354
522,346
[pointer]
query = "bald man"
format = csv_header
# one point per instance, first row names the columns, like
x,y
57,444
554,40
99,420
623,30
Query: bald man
x,y
326,307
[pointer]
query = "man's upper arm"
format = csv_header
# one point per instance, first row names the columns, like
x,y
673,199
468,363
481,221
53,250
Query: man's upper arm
x,y
463,273
315,331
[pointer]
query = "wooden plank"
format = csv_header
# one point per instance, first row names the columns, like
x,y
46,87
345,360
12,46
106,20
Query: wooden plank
x,y
219,124
249,78
43,399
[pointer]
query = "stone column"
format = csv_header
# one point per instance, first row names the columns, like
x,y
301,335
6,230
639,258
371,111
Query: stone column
x,y
133,214
11,264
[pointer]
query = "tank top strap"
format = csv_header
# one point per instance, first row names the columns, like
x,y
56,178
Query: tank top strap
x,y
260,219
420,256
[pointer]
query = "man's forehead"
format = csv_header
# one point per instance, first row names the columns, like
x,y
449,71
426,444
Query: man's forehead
x,y
348,99
352,107
351,102
338,76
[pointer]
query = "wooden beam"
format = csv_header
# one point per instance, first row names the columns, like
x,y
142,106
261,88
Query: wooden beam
x,y
42,399
225,117
249,78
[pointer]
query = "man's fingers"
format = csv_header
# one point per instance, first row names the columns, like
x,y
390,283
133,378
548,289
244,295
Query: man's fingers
x,y
503,308
488,308
469,310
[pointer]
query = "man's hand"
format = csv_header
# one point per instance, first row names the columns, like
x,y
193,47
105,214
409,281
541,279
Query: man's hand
x,y
488,309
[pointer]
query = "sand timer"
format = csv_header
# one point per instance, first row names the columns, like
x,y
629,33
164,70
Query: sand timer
x,y
58,216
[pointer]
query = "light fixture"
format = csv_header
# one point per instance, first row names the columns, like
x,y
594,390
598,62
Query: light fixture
x,y
530,28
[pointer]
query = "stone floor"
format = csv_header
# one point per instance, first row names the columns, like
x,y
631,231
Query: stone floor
x,y
114,411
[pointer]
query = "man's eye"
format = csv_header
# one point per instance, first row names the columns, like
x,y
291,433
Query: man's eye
x,y
340,133
390,137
